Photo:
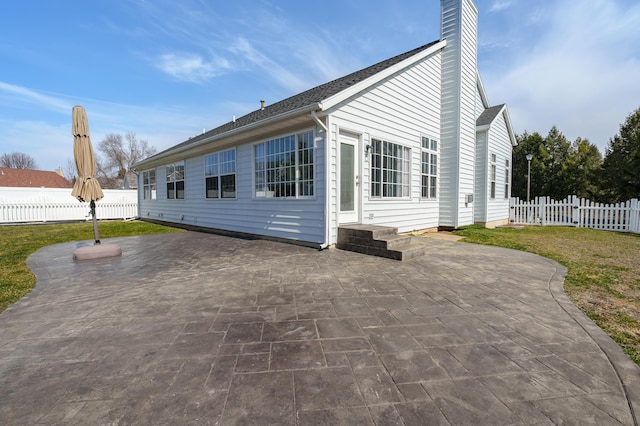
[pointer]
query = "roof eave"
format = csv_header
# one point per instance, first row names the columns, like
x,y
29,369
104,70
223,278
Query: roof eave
x,y
482,91
507,119
341,96
161,158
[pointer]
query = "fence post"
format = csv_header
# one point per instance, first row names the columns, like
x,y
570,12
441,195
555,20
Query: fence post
x,y
512,210
42,215
542,210
575,210
44,205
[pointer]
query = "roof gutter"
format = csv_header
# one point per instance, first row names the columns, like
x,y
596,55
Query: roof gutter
x,y
170,152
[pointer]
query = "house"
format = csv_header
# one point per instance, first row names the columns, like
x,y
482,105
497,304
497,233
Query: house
x,y
21,178
411,142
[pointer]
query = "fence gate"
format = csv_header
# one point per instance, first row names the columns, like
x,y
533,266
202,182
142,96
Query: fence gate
x,y
579,212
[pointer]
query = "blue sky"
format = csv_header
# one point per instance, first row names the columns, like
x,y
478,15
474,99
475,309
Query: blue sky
x,y
168,69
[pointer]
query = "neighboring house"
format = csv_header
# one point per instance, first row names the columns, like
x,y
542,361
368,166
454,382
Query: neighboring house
x,y
410,142
21,178
130,181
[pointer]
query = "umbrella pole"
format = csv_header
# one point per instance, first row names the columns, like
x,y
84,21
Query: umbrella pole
x,y
95,222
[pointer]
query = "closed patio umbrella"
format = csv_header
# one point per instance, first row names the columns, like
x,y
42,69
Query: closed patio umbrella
x,y
87,187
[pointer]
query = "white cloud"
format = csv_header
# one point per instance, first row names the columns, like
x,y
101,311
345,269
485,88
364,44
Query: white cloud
x,y
499,5
580,74
25,95
191,68
49,144
42,125
282,75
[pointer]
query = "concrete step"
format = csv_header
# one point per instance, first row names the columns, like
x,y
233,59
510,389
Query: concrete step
x,y
412,251
379,241
384,241
394,241
365,231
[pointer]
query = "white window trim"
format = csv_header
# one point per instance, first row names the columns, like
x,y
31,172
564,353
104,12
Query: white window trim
x,y
405,175
430,152
297,169
507,179
183,180
219,175
153,189
493,170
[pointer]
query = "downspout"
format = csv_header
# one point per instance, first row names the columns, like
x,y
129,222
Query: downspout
x,y
327,203
317,120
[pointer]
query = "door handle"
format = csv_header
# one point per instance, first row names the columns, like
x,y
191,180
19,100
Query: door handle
x,y
357,180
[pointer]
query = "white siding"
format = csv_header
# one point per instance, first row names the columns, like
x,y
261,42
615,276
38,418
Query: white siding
x,y
459,28
332,147
480,194
301,219
499,144
400,110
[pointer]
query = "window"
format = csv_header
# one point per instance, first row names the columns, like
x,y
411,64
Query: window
x,y
149,184
220,174
390,170
492,176
507,174
175,181
429,184
284,167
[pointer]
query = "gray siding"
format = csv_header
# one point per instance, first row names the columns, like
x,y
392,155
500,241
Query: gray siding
x,y
296,219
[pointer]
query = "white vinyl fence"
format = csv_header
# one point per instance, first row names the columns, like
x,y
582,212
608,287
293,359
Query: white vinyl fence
x,y
19,205
578,212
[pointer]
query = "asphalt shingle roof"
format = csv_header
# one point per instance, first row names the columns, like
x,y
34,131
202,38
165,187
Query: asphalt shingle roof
x,y
31,178
306,98
488,115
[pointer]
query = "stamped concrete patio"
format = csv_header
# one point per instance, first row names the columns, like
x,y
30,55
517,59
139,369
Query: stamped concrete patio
x,y
192,328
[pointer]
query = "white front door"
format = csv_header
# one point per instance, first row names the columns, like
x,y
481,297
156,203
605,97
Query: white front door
x,y
349,178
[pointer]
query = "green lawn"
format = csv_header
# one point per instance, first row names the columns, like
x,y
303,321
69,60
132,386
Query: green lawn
x,y
603,278
17,242
604,272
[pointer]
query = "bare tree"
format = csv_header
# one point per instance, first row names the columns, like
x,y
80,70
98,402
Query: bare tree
x,y
118,156
71,171
18,160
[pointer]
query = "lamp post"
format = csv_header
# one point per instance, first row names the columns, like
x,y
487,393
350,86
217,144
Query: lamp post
x,y
529,158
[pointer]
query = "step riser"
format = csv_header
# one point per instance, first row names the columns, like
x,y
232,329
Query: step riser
x,y
372,251
378,241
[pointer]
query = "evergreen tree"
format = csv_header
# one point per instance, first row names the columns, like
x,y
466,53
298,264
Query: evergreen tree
x,y
559,168
528,144
558,150
581,170
621,167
